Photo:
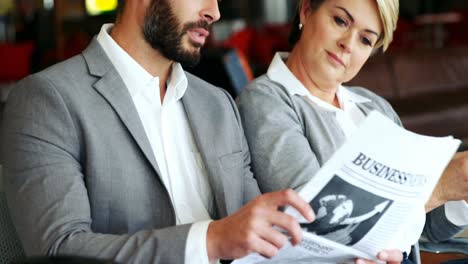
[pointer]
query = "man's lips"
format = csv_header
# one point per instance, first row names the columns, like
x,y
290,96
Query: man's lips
x,y
198,35
334,57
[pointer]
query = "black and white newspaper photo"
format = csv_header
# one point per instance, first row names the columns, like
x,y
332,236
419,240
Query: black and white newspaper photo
x,y
345,213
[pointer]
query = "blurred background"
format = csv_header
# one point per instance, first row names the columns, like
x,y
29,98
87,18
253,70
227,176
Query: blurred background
x,y
424,74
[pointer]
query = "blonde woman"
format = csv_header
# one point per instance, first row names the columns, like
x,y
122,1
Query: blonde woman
x,y
298,114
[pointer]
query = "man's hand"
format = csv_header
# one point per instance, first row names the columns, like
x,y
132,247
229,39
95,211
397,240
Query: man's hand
x,y
251,228
453,184
393,256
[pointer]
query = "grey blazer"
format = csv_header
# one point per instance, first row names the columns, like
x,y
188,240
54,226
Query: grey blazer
x,y
81,177
290,139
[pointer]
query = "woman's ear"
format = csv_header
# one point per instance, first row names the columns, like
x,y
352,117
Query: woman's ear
x,y
305,9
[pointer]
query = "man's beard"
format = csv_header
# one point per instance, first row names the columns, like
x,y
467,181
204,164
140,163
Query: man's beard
x,y
164,32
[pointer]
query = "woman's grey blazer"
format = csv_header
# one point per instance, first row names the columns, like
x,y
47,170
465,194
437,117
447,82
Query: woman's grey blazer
x,y
290,138
81,177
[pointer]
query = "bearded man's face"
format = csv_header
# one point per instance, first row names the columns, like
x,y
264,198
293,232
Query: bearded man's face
x,y
177,40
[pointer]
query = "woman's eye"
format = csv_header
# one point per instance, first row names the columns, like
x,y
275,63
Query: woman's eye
x,y
339,21
366,41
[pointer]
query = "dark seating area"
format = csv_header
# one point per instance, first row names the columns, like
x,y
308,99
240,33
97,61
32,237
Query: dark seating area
x,y
427,88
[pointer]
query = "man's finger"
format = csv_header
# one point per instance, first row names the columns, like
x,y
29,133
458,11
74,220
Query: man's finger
x,y
264,248
291,198
273,236
288,223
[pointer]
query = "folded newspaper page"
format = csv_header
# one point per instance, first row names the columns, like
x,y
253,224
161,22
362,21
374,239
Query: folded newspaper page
x,y
381,176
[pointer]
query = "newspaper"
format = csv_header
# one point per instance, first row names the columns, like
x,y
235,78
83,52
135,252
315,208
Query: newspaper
x,y
381,176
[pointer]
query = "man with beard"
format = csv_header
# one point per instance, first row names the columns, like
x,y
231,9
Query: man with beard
x,y
119,154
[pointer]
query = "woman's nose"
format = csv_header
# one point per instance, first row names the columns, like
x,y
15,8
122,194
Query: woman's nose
x,y
346,42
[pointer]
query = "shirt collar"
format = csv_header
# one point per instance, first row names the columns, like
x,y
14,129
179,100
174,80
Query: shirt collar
x,y
135,77
177,81
280,73
346,94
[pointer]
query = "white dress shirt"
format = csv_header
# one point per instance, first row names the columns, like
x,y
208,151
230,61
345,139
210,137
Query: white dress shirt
x,y
348,117
168,131
457,212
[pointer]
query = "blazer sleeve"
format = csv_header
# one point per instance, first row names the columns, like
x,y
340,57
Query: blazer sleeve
x,y
281,154
251,188
438,228
47,192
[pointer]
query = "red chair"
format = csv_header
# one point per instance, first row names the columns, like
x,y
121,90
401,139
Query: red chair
x,y
15,61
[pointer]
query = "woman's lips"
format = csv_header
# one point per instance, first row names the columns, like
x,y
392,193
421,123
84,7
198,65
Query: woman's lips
x,y
335,58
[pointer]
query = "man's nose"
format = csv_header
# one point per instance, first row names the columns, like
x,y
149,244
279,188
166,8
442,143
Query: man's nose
x,y
210,11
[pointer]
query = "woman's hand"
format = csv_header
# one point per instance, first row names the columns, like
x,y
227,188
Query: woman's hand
x,y
453,184
391,256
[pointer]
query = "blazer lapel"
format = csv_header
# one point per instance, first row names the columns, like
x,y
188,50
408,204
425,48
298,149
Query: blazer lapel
x,y
203,123
113,89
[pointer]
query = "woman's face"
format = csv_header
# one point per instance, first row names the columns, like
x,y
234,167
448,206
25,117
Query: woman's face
x,y
337,39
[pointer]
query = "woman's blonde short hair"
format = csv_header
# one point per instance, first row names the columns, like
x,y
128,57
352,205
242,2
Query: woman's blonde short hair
x,y
388,10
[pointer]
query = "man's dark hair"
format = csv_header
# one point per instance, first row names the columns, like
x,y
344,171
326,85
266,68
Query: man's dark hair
x,y
120,7
295,33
